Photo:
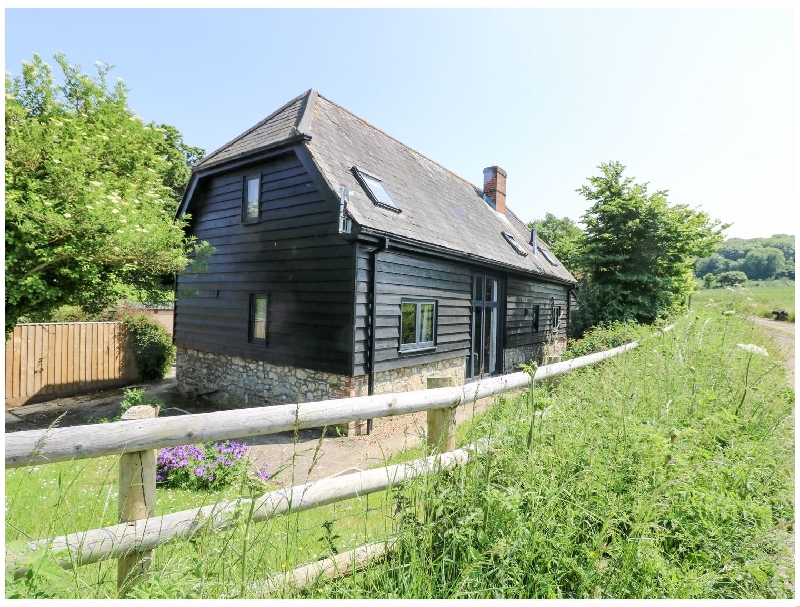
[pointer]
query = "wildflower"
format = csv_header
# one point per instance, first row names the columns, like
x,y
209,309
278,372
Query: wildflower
x,y
753,349
67,215
96,184
115,210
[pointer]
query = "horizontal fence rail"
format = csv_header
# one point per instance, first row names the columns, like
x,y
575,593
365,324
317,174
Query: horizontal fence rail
x,y
116,541
132,539
35,447
50,360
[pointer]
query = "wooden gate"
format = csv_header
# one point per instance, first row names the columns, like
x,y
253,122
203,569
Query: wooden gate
x,y
50,360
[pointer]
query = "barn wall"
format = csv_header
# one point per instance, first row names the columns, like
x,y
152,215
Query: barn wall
x,y
294,255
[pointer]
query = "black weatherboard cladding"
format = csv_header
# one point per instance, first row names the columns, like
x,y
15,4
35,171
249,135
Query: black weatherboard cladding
x,y
293,253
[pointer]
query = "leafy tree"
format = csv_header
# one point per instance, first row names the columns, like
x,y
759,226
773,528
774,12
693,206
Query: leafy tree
x,y
638,251
564,237
90,194
763,263
714,264
734,277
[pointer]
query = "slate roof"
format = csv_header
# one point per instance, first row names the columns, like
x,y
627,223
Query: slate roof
x,y
438,208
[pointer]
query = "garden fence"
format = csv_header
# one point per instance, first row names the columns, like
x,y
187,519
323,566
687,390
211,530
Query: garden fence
x,y
136,439
51,360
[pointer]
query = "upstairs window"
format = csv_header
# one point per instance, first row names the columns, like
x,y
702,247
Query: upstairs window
x,y
259,307
417,325
514,245
376,190
548,256
251,198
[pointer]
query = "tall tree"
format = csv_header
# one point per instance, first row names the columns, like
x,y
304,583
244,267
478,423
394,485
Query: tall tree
x,y
638,250
564,237
90,194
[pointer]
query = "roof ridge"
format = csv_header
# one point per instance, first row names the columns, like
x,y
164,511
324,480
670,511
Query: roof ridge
x,y
258,125
459,177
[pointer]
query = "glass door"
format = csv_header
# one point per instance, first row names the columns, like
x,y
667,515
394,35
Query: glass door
x,y
483,360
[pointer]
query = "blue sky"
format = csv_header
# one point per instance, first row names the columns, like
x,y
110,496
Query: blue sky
x,y
698,102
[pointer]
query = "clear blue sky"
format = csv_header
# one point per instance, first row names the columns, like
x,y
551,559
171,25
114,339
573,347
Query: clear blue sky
x,y
698,102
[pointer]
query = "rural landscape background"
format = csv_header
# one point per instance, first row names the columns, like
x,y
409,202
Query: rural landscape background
x,y
650,149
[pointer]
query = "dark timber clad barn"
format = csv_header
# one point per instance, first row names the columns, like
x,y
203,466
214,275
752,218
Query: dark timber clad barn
x,y
346,263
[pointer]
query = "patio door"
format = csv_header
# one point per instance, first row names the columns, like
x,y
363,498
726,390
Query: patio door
x,y
484,357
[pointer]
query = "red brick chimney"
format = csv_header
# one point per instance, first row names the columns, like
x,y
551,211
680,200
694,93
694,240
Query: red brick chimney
x,y
494,187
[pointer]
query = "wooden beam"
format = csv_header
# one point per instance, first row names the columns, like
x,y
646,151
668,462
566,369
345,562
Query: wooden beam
x,y
136,502
87,547
79,442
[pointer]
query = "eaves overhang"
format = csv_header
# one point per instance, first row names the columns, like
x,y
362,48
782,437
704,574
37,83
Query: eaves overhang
x,y
428,248
233,163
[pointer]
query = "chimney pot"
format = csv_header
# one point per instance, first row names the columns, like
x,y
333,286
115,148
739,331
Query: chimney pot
x,y
494,187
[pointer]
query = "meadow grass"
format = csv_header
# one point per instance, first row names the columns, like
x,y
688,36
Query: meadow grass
x,y
756,298
664,472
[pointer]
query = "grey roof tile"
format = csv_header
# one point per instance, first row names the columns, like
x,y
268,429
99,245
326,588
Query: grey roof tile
x,y
437,207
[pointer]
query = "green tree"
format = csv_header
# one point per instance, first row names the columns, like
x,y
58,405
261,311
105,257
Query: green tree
x,y
638,251
734,277
564,237
90,195
763,263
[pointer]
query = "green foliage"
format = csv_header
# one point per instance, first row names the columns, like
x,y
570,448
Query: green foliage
x,y
728,279
764,263
152,345
759,258
604,337
564,237
638,251
643,482
90,195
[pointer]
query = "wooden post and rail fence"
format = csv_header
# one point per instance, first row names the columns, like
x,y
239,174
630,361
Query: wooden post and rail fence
x,y
138,436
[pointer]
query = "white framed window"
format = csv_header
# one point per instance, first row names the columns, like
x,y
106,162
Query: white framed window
x,y
417,324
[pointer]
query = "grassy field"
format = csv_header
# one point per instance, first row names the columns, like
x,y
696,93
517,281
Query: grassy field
x,y
758,298
665,472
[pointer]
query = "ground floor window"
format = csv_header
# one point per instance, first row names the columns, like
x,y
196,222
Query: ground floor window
x,y
259,306
417,324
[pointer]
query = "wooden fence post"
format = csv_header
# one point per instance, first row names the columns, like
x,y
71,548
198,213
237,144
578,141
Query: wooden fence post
x,y
441,422
137,500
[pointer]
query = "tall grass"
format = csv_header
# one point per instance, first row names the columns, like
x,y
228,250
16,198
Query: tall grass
x,y
664,472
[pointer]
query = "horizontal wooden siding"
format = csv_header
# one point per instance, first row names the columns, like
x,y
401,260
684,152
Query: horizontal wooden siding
x,y
294,254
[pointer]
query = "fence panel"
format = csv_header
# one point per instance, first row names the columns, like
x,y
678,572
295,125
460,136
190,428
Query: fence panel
x,y
50,360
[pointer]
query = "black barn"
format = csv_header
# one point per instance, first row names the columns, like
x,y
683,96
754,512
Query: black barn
x,y
346,263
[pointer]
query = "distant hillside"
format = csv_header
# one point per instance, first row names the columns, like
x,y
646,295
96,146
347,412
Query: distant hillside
x,y
738,259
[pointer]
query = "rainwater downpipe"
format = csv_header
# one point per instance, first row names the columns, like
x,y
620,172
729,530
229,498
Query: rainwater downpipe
x,y
373,322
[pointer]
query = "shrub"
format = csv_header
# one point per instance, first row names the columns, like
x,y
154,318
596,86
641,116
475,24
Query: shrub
x,y
604,337
152,345
207,466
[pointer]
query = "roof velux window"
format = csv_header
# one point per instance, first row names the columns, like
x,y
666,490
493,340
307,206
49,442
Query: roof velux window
x,y
514,245
376,190
547,256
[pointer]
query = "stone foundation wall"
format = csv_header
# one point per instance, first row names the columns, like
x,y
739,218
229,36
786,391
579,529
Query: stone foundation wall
x,y
231,380
416,377
514,357
235,381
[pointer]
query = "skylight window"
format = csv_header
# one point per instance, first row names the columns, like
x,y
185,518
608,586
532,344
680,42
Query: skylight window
x,y
376,190
547,256
510,240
